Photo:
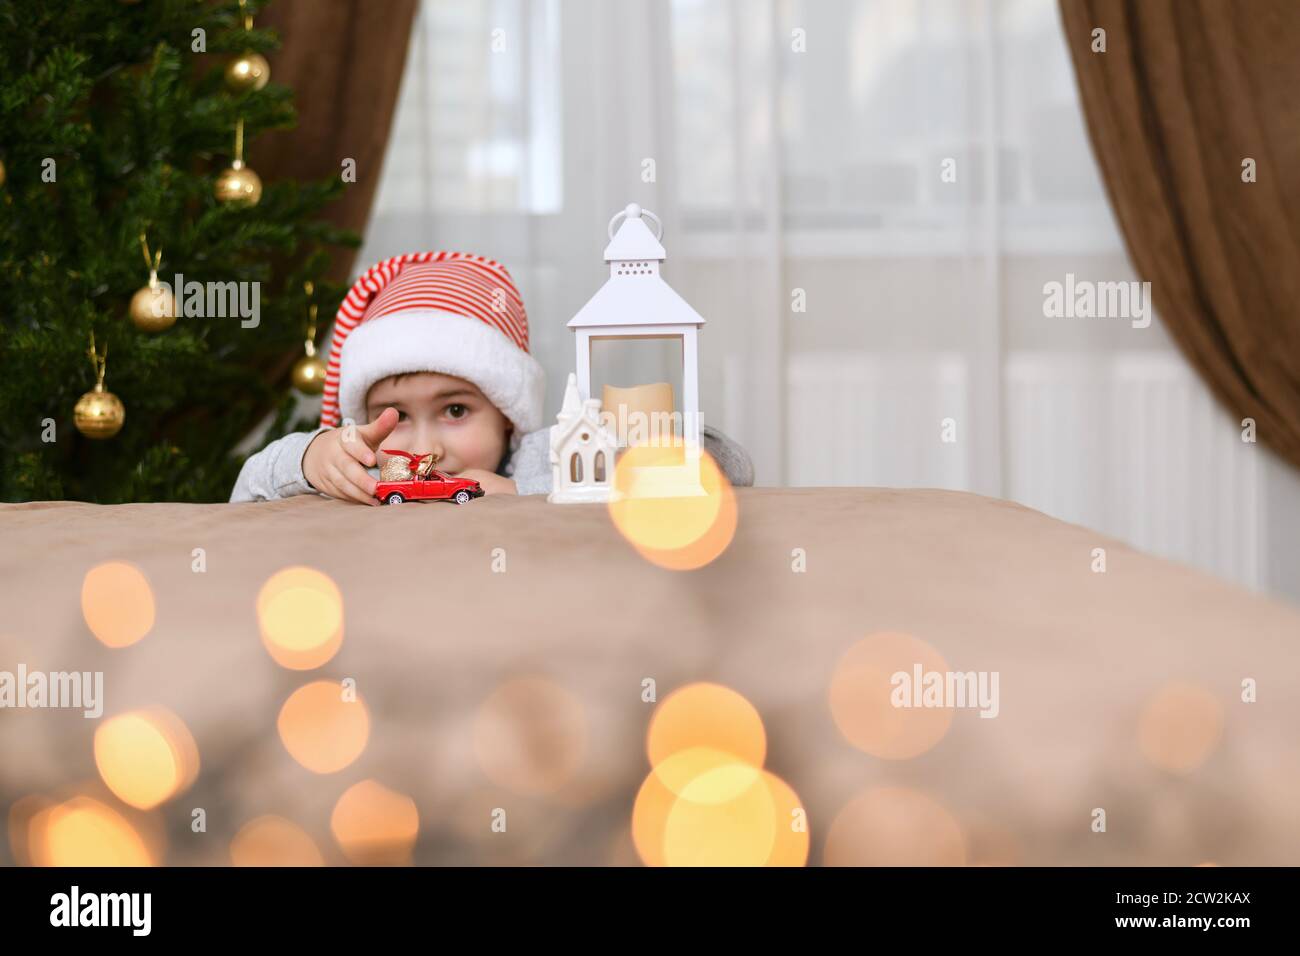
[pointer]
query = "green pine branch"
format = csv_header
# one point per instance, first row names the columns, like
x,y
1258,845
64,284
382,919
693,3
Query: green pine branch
x,y
112,123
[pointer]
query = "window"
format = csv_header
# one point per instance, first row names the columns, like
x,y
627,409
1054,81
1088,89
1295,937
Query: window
x,y
599,470
873,103
478,120
575,468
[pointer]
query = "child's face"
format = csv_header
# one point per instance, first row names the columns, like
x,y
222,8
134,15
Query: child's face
x,y
444,415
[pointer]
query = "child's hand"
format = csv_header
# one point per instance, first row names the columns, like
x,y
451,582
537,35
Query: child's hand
x,y
336,460
492,484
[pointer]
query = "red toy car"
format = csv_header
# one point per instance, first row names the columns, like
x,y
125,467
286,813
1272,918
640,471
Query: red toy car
x,y
425,483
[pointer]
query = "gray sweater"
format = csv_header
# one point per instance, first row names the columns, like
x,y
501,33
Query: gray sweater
x,y
276,470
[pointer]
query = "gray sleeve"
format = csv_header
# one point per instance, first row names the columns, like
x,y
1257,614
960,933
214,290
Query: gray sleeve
x,y
276,470
531,464
731,458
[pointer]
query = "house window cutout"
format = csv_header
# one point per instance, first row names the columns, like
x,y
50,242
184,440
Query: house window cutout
x,y
575,468
599,471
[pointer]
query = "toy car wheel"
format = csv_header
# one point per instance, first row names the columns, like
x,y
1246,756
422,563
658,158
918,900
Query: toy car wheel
x,y
395,498
462,496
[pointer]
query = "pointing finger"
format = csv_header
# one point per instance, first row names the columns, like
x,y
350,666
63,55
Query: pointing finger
x,y
374,433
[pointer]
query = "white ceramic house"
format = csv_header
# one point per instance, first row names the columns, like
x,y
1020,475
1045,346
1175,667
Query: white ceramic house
x,y
582,451
636,303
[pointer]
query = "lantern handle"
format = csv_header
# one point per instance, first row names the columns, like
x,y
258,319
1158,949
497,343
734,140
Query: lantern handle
x,y
633,211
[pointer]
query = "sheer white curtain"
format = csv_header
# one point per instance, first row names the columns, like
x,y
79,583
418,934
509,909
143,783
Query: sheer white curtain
x,y
864,198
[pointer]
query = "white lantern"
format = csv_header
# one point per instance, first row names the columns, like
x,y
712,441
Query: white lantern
x,y
636,303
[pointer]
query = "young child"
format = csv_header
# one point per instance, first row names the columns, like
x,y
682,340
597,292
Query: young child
x,y
430,355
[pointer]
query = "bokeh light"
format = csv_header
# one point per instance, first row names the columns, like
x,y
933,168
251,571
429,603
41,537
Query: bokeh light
x,y
85,832
146,757
320,729
274,841
1180,727
374,825
724,817
530,735
726,813
677,771
707,547
708,716
117,603
895,826
707,801
665,783
654,801
300,614
671,529
860,697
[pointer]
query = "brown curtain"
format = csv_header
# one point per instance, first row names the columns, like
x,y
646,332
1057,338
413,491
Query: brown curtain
x,y
344,61
1185,92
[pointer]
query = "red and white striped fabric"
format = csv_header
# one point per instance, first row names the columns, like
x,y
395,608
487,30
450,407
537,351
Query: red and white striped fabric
x,y
448,312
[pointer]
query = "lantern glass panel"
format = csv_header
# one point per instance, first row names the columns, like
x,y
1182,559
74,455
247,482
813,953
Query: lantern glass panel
x,y
629,362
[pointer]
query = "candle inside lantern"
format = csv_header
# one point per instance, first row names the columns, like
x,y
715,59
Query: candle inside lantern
x,y
640,414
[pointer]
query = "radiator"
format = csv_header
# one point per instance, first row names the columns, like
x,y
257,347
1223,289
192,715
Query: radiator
x,y
1130,444
1135,446
855,419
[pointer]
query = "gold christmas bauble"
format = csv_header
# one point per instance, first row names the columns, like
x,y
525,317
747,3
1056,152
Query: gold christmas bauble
x,y
2,172
309,375
239,184
248,72
153,309
99,413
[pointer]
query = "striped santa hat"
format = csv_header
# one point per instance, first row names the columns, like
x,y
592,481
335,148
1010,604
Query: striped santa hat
x,y
448,312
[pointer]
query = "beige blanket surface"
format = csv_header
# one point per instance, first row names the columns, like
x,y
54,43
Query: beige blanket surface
x,y
1119,692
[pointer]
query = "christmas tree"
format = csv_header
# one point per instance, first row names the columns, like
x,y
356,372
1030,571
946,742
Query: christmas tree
x,y
119,124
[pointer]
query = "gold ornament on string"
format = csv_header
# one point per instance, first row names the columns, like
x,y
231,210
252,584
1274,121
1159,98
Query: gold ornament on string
x,y
153,308
99,413
309,371
239,184
250,71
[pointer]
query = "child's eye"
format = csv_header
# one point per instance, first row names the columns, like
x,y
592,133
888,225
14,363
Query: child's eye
x,y
401,417
457,410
